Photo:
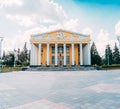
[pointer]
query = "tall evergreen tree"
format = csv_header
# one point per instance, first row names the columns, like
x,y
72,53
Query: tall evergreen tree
x,y
24,56
95,57
116,55
108,55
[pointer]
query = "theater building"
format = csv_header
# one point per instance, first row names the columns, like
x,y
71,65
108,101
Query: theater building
x,y
60,48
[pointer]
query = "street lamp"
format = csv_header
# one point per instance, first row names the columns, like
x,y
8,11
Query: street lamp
x,y
15,57
118,38
1,39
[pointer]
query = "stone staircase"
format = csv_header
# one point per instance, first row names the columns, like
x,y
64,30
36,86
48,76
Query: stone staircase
x,y
61,68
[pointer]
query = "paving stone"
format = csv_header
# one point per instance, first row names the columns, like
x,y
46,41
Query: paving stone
x,y
70,89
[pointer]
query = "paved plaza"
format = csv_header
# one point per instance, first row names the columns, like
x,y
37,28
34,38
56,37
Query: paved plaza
x,y
60,90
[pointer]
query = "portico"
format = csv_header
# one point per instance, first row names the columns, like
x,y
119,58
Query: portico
x,y
60,48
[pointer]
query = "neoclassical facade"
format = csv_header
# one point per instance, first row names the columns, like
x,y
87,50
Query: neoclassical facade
x,y
60,48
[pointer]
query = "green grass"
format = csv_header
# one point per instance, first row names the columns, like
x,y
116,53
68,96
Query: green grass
x,y
10,69
111,67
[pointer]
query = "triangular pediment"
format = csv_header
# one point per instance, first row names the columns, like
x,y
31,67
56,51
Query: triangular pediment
x,y
61,35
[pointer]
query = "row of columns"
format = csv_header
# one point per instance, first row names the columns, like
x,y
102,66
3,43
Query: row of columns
x,y
64,47
87,53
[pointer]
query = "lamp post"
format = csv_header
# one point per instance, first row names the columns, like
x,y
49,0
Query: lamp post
x,y
15,57
118,38
1,39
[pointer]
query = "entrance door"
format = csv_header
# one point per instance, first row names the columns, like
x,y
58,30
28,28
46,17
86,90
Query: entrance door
x,y
60,56
60,60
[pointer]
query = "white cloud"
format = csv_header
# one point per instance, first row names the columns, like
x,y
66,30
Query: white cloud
x,y
36,13
10,3
117,28
23,19
17,42
71,24
103,35
87,30
103,39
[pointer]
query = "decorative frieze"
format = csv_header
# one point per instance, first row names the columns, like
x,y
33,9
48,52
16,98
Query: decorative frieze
x,y
60,35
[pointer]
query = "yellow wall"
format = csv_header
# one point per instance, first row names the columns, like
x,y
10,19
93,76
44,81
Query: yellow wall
x,y
76,54
44,55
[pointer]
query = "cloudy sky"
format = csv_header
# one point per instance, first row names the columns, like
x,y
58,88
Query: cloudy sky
x,y
21,18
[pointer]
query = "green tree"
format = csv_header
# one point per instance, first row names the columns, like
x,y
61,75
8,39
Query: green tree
x,y
24,56
116,55
95,57
9,59
3,55
108,55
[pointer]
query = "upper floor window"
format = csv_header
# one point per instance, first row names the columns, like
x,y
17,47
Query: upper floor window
x,y
53,49
68,49
60,49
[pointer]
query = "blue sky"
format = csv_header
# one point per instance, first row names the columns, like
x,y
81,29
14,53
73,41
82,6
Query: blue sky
x,y
21,18
102,2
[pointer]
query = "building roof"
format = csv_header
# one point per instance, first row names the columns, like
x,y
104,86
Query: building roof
x,y
61,30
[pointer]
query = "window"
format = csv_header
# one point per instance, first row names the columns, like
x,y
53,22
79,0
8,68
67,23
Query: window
x,y
68,49
53,59
60,49
68,60
53,49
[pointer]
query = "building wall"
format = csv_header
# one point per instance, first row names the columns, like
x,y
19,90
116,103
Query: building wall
x,y
51,38
44,52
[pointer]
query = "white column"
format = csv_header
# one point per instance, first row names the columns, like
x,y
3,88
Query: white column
x,y
64,54
85,55
48,49
35,55
72,54
81,55
32,54
89,55
39,54
56,54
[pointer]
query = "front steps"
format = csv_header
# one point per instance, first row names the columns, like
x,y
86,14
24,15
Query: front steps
x,y
62,68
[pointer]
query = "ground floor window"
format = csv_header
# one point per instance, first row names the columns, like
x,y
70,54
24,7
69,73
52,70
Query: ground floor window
x,y
53,59
68,59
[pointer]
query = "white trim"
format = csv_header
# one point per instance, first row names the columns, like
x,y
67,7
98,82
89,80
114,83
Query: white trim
x,y
60,30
